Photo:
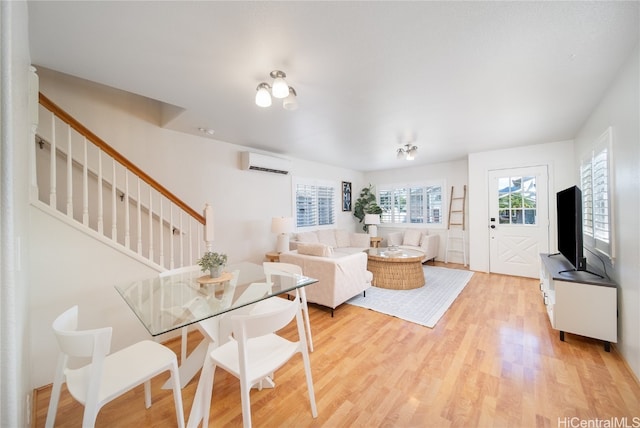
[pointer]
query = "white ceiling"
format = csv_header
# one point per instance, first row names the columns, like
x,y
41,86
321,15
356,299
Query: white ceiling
x,y
454,77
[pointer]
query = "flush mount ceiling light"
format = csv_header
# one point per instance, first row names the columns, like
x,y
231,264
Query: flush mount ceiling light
x,y
408,152
278,89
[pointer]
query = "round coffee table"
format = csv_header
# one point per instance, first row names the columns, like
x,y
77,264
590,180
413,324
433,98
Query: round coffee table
x,y
399,269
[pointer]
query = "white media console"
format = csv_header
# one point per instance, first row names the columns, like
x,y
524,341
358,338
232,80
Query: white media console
x,y
579,302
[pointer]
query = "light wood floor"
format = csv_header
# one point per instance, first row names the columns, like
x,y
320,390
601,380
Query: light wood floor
x,y
492,360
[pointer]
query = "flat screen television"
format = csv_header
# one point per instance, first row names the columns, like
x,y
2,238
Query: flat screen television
x,y
569,212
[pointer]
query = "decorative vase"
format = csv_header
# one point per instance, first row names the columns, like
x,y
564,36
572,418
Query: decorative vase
x,y
215,271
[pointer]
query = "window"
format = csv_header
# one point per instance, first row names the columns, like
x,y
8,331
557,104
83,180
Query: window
x,y
315,203
517,200
421,204
596,196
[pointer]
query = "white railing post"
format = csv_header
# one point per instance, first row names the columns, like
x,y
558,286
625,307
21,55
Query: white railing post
x,y
139,223
161,230
171,246
127,225
114,207
53,201
100,202
150,223
69,174
85,186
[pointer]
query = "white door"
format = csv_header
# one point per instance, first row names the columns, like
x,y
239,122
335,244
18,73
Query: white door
x,y
518,220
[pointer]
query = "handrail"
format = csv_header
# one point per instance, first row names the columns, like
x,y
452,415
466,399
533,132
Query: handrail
x,y
69,120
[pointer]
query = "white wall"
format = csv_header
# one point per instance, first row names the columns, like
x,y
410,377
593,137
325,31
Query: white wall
x,y
619,108
199,170
453,173
559,159
14,194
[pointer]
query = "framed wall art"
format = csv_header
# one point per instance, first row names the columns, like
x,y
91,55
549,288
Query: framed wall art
x,y
346,196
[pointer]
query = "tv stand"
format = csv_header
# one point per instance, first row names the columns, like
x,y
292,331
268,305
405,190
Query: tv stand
x,y
581,270
579,301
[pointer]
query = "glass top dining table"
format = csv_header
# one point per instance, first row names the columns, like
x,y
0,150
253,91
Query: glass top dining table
x,y
169,302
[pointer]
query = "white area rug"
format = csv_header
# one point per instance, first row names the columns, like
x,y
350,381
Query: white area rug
x,y
424,305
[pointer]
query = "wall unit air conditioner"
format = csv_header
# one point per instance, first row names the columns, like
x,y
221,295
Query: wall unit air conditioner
x,y
260,162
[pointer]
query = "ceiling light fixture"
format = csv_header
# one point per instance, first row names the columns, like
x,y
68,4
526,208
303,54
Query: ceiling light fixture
x,y
408,152
278,89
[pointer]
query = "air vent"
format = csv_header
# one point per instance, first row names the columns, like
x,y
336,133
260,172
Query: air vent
x,y
265,163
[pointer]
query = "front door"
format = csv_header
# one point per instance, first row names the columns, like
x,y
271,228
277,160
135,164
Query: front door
x,y
518,220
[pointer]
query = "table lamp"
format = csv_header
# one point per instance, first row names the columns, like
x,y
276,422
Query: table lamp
x,y
371,220
282,226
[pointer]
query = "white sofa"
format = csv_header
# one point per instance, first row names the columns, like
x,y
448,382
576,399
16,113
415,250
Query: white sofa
x,y
336,259
416,239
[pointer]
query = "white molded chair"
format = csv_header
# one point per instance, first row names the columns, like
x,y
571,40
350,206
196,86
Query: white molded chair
x,y
107,376
287,269
185,330
256,351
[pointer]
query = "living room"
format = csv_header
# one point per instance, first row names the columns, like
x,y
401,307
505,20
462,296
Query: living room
x,y
202,170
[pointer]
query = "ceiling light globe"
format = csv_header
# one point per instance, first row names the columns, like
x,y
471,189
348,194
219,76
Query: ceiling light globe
x,y
280,89
291,102
400,154
263,98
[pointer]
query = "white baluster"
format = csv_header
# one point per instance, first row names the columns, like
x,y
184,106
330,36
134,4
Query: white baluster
x,y
127,222
114,210
161,228
181,238
85,186
139,224
100,202
190,240
171,249
151,223
52,166
69,174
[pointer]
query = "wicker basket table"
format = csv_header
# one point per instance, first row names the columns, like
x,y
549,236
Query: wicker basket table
x,y
400,269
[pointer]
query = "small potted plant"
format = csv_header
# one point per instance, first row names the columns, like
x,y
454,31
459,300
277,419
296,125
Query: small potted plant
x,y
213,262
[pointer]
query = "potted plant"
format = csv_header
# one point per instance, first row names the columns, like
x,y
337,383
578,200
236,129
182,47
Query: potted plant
x,y
213,262
366,204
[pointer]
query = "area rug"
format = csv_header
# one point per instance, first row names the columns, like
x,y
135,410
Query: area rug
x,y
424,305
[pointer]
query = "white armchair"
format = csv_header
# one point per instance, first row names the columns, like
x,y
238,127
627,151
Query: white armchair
x,y
415,239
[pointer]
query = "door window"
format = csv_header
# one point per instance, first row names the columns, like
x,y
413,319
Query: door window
x,y
517,200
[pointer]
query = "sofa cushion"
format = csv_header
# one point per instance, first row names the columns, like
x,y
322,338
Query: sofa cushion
x,y
342,238
412,237
308,237
360,240
313,249
327,237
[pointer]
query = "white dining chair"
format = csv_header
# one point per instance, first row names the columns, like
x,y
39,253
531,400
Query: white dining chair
x,y
256,351
108,375
289,270
185,330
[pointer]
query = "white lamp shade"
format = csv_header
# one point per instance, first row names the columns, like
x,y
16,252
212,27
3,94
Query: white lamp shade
x,y
291,102
280,88
263,98
372,219
282,224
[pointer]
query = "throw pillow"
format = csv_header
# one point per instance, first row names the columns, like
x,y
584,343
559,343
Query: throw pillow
x,y
412,237
308,237
320,250
342,238
327,237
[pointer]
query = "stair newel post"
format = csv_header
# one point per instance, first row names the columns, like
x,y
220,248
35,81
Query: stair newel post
x,y
69,174
85,185
208,227
53,202
100,201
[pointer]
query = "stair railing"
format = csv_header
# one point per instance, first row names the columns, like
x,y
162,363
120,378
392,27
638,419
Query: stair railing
x,y
118,200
